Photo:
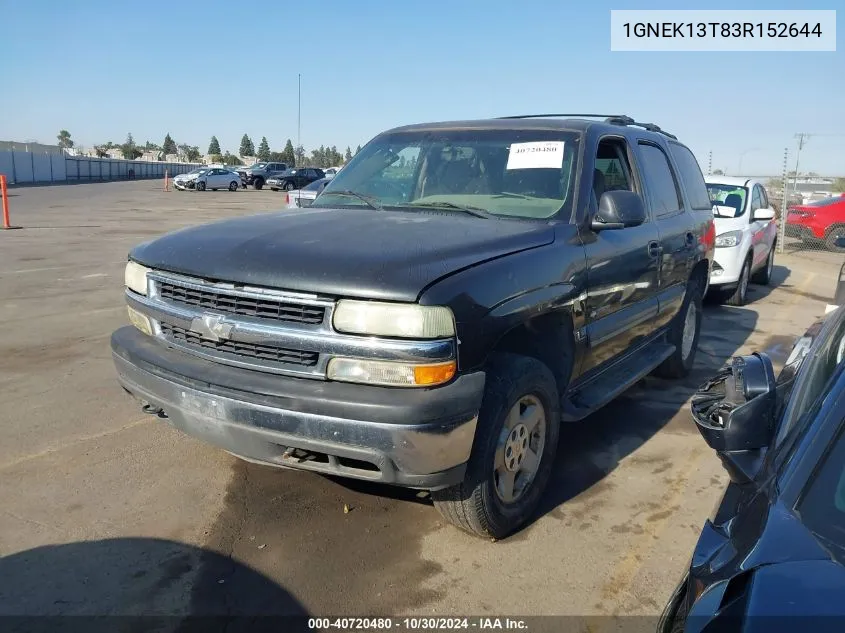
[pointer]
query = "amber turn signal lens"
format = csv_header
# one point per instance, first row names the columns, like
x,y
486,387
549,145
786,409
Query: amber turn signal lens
x,y
434,374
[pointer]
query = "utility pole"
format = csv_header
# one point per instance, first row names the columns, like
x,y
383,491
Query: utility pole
x,y
802,138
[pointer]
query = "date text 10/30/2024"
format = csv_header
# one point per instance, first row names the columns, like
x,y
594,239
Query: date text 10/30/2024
x,y
721,29
417,624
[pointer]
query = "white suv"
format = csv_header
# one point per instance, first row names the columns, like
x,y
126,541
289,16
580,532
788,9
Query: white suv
x,y
746,233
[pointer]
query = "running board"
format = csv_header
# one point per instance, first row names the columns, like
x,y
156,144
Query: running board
x,y
593,395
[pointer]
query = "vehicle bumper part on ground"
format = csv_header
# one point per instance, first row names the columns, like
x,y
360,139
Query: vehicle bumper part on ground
x,y
414,438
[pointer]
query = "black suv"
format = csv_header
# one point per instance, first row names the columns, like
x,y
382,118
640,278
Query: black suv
x,y
453,295
298,178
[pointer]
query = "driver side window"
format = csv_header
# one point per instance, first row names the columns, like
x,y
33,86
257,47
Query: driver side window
x,y
756,202
612,170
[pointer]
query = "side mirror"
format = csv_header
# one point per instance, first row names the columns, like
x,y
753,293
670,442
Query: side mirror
x,y
619,210
735,412
764,214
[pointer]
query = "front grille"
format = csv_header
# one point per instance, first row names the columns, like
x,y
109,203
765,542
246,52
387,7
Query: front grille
x,y
250,350
262,308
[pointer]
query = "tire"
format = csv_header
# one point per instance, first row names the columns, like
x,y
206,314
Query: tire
x,y
233,186
830,240
289,186
764,275
518,384
200,186
739,296
258,183
274,188
679,364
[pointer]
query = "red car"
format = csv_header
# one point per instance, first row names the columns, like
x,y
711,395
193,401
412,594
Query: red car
x,y
819,220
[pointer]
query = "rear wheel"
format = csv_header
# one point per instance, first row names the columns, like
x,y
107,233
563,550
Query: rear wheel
x,y
258,183
830,240
233,186
683,334
513,452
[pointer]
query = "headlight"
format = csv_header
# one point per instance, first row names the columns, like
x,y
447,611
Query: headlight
x,y
391,374
726,240
406,320
135,277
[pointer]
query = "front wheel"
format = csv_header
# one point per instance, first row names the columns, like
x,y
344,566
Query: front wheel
x,y
764,275
683,334
515,444
233,186
739,296
259,183
200,186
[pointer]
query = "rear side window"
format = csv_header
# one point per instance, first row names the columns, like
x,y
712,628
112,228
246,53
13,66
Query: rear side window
x,y
662,188
690,173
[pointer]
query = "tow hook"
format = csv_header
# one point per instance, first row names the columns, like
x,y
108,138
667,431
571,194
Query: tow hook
x,y
150,409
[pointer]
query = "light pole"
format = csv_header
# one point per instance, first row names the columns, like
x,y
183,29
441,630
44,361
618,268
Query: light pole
x,y
298,112
741,156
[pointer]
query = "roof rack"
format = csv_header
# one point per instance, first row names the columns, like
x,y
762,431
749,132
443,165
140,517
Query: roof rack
x,y
549,116
651,127
612,119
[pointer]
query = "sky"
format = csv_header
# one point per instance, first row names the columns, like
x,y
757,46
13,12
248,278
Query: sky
x,y
102,69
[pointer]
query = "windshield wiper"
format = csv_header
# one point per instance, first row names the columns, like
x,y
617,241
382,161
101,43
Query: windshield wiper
x,y
477,212
508,194
370,201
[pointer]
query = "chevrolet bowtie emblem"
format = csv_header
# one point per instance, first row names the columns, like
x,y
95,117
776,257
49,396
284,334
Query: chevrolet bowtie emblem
x,y
212,327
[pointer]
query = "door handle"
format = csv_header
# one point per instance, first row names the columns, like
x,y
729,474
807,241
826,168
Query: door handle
x,y
654,249
690,239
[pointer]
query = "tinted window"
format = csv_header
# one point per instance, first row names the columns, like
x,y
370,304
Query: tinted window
x,y
764,199
690,173
662,188
822,507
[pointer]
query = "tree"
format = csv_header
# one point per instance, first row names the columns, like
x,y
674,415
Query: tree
x,y
65,141
358,149
718,172
214,147
190,153
348,155
288,155
103,149
839,185
231,159
247,148
775,183
299,156
264,149
169,145
129,150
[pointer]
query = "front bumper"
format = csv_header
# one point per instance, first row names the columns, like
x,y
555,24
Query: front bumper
x,y
419,438
727,266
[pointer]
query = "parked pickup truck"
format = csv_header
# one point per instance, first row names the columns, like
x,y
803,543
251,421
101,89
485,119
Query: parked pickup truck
x,y
455,295
258,174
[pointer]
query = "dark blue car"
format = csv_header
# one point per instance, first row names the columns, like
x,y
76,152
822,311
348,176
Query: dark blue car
x,y
771,556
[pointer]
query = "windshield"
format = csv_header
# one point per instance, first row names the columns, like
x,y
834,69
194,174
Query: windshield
x,y
316,185
194,171
728,196
826,202
259,165
513,173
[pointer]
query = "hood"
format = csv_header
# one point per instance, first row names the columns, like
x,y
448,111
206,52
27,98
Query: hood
x,y
391,255
723,225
